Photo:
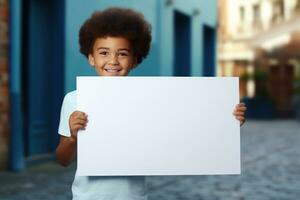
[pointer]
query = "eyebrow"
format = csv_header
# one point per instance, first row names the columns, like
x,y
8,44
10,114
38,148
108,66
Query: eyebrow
x,y
106,48
102,48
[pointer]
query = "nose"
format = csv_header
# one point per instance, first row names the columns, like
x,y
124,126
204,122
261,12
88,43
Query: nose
x,y
114,59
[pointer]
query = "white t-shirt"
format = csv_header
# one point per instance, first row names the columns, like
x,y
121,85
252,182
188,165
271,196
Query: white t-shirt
x,y
99,187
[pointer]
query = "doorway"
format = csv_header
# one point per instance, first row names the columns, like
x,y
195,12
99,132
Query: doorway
x,y
281,88
42,74
209,50
182,47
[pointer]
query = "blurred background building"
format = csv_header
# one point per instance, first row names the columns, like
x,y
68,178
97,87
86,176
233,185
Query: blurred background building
x,y
259,41
40,59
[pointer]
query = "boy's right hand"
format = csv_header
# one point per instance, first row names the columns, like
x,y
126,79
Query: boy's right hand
x,y
77,121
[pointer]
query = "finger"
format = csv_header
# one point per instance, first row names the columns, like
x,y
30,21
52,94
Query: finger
x,y
79,114
79,124
76,113
81,117
239,113
241,108
78,127
80,121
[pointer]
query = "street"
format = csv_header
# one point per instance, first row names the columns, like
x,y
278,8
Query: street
x,y
270,152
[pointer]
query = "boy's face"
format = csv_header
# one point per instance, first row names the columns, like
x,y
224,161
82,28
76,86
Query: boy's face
x,y
112,56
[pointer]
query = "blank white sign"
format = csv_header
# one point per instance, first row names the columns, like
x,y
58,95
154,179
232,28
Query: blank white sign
x,y
158,126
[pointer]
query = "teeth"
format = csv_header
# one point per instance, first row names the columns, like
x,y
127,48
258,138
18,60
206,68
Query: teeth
x,y
111,70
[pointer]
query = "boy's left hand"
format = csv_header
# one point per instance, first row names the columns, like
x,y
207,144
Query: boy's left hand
x,y
239,113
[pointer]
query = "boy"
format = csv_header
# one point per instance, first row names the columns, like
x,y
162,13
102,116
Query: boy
x,y
115,41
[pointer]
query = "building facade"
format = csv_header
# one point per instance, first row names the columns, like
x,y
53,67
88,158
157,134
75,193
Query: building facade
x,y
44,61
4,94
260,39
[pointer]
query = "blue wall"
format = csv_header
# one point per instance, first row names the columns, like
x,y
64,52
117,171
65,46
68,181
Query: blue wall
x,y
66,17
36,63
160,61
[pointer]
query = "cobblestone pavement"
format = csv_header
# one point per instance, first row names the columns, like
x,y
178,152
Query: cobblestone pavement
x,y
270,153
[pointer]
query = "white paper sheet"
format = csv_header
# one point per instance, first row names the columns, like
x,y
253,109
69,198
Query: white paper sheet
x,y
158,126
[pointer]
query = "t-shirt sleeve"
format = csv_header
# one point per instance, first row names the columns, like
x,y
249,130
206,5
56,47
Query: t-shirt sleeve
x,y
67,109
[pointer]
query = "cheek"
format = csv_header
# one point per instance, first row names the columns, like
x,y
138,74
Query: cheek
x,y
128,64
99,62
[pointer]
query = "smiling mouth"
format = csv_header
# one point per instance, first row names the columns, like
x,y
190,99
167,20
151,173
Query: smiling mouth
x,y
112,70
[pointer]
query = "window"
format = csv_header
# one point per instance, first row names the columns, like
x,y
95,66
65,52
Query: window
x,y
278,11
256,16
297,6
242,13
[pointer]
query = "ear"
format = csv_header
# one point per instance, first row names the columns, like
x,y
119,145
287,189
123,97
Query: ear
x,y
91,60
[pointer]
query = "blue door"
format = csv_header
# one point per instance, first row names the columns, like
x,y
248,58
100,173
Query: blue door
x,y
209,51
42,74
182,47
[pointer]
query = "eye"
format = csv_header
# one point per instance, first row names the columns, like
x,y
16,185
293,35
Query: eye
x,y
104,53
123,54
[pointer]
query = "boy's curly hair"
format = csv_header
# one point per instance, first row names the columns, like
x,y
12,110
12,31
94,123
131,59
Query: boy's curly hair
x,y
117,22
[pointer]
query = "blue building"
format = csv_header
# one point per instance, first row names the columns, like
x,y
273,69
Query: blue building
x,y
45,59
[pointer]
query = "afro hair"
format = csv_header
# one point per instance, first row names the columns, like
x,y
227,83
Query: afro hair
x,y
117,22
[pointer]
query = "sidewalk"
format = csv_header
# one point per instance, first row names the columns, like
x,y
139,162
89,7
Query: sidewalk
x,y
270,170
